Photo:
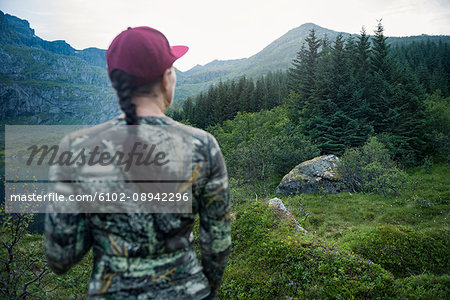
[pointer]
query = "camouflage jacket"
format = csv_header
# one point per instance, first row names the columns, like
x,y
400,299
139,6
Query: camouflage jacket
x,y
149,255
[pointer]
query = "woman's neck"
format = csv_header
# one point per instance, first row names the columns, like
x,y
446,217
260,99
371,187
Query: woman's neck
x,y
149,105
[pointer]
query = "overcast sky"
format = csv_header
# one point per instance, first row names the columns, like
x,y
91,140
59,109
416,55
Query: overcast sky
x,y
225,29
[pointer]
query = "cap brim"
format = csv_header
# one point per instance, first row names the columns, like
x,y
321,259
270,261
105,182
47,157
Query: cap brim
x,y
179,51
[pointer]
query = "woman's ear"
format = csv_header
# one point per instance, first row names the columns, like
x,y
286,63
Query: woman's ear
x,y
168,85
166,80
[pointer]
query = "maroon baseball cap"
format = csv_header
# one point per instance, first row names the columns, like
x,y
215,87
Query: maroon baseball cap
x,y
143,52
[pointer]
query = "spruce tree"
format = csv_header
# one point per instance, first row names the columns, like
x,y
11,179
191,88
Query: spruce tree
x,y
188,110
334,117
303,73
246,97
406,119
380,81
260,94
324,118
362,63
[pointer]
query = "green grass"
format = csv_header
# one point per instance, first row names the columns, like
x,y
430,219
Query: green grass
x,y
423,207
270,260
423,287
357,246
408,236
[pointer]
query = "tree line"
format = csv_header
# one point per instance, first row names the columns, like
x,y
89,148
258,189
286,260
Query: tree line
x,y
340,93
221,102
349,90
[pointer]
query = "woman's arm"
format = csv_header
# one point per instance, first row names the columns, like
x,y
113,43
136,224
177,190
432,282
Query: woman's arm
x,y
67,235
215,223
67,239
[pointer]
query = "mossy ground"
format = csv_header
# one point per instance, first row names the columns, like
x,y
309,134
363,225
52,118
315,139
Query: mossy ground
x,y
357,246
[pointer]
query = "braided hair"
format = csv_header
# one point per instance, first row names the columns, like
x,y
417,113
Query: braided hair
x,y
125,86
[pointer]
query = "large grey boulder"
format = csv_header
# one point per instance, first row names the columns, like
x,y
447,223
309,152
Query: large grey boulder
x,y
312,176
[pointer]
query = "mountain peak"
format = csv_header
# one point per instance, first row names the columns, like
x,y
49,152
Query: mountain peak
x,y
309,25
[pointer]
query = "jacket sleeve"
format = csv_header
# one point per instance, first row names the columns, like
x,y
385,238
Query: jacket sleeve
x,y
67,236
215,223
67,239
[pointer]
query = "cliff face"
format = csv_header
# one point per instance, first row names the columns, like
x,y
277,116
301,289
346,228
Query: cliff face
x,y
15,31
45,82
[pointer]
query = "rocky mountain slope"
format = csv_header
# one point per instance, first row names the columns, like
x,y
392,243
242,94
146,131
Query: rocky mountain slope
x,y
51,82
45,82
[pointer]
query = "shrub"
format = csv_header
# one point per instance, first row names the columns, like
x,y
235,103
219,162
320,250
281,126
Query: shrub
x,y
260,146
24,272
438,122
370,169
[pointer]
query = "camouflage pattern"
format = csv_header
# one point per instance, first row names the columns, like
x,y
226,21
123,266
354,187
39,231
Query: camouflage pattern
x,y
143,255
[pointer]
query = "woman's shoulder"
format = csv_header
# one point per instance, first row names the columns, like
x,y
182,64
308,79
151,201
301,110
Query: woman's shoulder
x,y
176,126
116,128
196,132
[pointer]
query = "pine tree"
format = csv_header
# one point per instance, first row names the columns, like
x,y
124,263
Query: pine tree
x,y
362,63
218,102
334,117
356,104
188,110
406,118
270,97
340,71
380,81
246,96
231,98
440,80
323,77
324,119
201,112
260,95
361,84
302,74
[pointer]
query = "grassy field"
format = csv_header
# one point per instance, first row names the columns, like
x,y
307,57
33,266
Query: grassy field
x,y
357,246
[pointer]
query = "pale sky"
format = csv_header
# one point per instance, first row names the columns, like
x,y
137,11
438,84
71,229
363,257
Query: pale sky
x,y
225,29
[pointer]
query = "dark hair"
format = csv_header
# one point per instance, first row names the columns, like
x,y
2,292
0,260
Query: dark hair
x,y
126,87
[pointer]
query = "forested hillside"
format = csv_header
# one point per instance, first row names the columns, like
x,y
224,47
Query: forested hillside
x,y
17,38
341,92
276,56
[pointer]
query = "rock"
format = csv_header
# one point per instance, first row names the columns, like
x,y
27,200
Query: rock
x,y
278,204
311,176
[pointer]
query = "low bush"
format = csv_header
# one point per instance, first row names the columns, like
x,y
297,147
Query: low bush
x,y
369,169
24,272
259,148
